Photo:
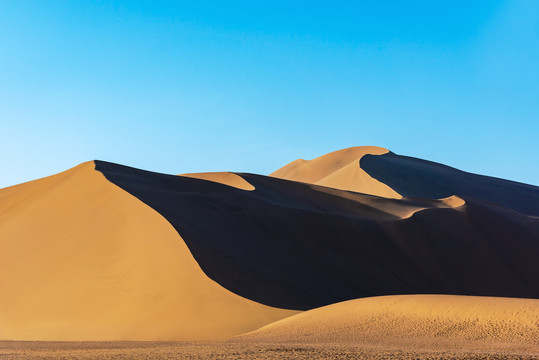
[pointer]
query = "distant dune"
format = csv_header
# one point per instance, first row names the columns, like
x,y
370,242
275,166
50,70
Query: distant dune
x,y
108,252
413,321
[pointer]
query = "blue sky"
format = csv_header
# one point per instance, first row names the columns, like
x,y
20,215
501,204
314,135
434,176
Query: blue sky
x,y
192,86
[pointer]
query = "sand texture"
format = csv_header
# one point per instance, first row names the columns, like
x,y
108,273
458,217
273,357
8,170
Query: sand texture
x,y
244,351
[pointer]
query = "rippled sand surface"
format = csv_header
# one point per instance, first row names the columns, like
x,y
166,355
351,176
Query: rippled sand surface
x,y
223,350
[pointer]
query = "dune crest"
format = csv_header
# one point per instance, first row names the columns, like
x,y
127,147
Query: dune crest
x,y
225,178
81,259
340,170
413,320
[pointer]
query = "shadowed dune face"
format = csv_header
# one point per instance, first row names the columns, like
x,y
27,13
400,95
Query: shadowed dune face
x,y
299,246
420,178
340,170
413,321
81,259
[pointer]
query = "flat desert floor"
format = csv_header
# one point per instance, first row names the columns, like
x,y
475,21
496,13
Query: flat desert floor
x,y
227,350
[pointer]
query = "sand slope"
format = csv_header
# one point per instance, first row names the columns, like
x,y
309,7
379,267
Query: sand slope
x,y
81,259
413,321
298,246
339,169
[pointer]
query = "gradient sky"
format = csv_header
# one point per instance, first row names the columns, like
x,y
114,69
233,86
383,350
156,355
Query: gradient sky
x,y
176,87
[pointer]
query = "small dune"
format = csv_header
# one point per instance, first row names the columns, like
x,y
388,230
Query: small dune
x,y
416,321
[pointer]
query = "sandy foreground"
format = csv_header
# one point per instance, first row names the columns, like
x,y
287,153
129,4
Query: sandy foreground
x,y
228,350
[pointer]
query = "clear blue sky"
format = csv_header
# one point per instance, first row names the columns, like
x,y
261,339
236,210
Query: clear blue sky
x,y
192,86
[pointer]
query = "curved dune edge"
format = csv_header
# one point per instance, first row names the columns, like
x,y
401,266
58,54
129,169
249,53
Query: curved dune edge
x,y
225,178
340,170
414,320
98,264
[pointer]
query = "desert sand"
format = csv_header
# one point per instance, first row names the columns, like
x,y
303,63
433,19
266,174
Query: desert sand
x,y
389,327
324,258
234,350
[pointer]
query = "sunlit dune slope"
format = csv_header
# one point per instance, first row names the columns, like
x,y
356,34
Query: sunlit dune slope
x,y
81,259
298,246
339,169
413,321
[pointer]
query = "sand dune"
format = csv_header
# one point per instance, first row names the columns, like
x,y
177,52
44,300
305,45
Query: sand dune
x,y
108,252
413,321
299,246
340,170
81,259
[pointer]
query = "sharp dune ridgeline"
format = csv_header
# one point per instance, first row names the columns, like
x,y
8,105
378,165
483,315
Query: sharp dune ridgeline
x,y
109,252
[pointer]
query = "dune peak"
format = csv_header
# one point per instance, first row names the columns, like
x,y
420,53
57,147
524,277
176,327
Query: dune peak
x,y
339,169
